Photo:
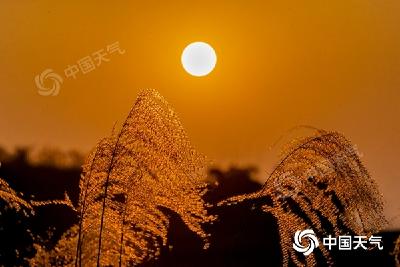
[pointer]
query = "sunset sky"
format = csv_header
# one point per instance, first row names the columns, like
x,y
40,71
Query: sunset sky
x,y
330,64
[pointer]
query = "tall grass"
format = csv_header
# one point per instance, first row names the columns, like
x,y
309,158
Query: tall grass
x,y
148,164
320,184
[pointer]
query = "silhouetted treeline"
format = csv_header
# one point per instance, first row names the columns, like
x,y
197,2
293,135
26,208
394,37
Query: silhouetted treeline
x,y
242,235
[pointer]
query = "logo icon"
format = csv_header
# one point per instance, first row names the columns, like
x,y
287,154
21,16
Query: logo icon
x,y
45,89
312,241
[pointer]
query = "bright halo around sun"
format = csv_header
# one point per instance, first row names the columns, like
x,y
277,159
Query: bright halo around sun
x,y
199,59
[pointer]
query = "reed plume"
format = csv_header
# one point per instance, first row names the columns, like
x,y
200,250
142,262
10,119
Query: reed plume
x,y
62,202
147,165
61,255
11,199
396,251
320,184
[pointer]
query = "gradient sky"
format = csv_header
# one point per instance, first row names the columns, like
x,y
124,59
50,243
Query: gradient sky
x,y
330,64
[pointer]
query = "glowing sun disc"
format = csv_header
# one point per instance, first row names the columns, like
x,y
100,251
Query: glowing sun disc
x,y
198,59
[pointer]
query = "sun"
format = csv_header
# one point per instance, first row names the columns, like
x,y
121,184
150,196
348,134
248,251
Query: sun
x,y
199,59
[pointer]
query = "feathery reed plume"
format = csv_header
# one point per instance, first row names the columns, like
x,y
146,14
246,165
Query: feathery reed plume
x,y
62,202
27,208
320,184
396,252
63,253
149,164
11,198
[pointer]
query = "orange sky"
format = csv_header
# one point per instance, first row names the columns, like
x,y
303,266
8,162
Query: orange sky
x,y
331,64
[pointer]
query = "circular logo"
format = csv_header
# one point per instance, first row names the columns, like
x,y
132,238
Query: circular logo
x,y
312,241
56,80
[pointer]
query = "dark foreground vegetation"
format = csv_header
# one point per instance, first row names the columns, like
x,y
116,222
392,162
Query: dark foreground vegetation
x,y
242,236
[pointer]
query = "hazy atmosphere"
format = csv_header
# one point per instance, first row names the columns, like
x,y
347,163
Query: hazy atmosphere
x,y
332,65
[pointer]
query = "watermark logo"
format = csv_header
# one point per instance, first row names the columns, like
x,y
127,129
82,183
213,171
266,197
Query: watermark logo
x,y
311,238
342,242
82,66
53,84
